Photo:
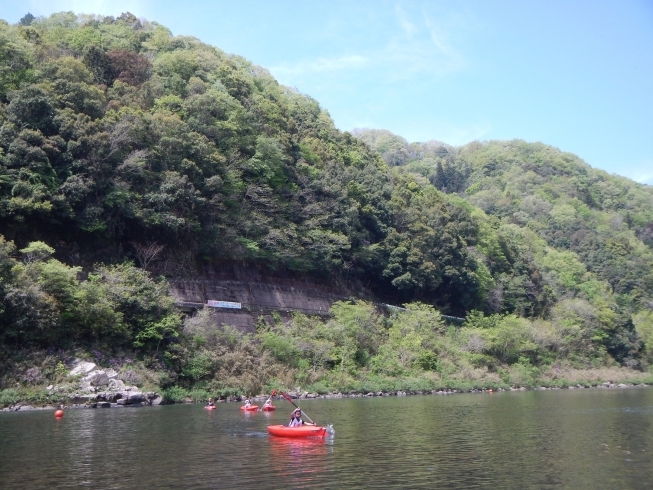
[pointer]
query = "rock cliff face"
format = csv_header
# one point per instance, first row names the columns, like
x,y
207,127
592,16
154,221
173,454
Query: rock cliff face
x,y
259,292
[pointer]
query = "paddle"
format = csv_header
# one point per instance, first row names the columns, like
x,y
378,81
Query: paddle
x,y
274,392
283,394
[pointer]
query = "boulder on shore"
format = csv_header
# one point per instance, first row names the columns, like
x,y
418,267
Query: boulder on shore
x,y
154,399
116,385
82,367
96,378
131,398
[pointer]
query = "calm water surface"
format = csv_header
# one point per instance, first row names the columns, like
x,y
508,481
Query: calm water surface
x,y
540,439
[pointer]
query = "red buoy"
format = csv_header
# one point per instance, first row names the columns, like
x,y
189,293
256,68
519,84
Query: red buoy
x,y
58,414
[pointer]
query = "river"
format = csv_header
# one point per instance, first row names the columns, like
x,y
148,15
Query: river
x,y
592,438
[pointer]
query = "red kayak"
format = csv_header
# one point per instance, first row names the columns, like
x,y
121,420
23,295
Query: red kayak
x,y
301,431
210,408
268,408
251,408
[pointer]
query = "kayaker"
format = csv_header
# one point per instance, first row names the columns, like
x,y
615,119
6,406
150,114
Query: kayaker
x,y
268,402
296,419
210,403
247,402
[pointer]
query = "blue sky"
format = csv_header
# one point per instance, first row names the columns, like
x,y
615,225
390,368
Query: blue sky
x,y
577,75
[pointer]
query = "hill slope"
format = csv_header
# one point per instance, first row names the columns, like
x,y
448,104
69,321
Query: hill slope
x,y
607,220
116,135
120,142
596,227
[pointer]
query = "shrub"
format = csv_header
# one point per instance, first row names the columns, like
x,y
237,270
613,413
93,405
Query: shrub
x,y
33,376
8,397
174,394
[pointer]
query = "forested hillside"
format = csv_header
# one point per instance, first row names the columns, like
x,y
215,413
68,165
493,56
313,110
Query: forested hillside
x,y
117,137
116,134
597,228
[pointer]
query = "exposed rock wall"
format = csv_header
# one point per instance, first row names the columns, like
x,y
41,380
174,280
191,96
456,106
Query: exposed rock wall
x,y
258,291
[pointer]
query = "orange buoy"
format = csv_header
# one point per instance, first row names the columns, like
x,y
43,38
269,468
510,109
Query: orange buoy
x,y
58,414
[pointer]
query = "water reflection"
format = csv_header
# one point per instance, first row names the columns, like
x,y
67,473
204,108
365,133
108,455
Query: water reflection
x,y
299,447
303,461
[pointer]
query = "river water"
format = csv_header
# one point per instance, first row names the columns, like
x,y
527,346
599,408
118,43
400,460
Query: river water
x,y
539,439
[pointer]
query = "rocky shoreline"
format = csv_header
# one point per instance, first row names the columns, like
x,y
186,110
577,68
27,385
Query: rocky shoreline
x,y
93,387
89,386
356,394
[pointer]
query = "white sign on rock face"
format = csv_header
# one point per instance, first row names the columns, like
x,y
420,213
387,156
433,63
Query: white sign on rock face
x,y
223,304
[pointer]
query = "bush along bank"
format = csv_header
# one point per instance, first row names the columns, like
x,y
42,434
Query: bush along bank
x,y
359,348
357,351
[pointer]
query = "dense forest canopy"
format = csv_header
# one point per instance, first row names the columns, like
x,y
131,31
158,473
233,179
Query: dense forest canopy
x,y
606,220
116,135
584,230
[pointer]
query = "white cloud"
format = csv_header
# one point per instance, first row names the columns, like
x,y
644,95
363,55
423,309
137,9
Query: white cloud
x,y
417,45
320,65
640,172
404,22
437,36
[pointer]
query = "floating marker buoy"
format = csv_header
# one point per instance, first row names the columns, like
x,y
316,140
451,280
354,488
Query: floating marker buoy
x,y
58,414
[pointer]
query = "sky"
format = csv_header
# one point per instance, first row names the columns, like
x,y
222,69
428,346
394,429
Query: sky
x,y
575,74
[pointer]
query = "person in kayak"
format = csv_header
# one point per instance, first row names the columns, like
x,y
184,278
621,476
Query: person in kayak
x,y
296,419
210,403
268,402
247,403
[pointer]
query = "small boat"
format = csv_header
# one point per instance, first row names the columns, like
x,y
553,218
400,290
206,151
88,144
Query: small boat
x,y
251,408
268,408
301,431
209,408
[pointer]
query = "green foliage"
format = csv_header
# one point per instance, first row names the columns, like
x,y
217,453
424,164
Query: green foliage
x,y
26,19
644,324
359,348
174,394
16,56
522,373
592,222
37,251
8,397
509,339
280,347
45,303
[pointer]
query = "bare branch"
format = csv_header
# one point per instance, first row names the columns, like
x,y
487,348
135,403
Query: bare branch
x,y
147,252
